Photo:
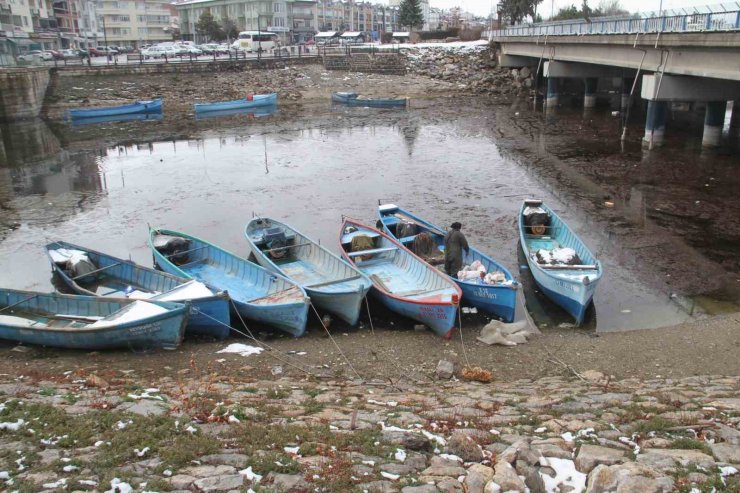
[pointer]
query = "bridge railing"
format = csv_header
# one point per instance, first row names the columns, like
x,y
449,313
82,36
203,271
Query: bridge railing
x,y
689,22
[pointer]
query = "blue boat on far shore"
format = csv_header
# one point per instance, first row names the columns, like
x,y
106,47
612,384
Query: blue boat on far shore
x,y
570,285
113,277
255,101
151,106
256,293
498,299
88,322
354,99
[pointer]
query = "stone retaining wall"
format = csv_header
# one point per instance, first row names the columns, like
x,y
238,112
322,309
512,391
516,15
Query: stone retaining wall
x,y
22,93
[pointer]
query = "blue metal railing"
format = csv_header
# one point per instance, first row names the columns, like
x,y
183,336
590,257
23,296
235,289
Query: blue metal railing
x,y
725,17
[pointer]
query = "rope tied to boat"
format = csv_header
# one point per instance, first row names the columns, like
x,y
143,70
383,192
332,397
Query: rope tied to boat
x,y
335,342
270,350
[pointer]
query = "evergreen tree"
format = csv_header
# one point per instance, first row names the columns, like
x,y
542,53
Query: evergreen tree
x,y
410,14
517,10
208,27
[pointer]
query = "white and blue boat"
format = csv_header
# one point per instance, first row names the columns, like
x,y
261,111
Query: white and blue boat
x,y
256,293
546,242
254,101
401,281
111,277
150,106
498,299
329,281
89,322
354,99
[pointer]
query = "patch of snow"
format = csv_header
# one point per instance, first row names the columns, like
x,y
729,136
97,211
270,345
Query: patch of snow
x,y
88,482
123,424
291,450
451,457
4,475
370,463
147,394
565,474
568,437
241,349
389,403
400,455
55,484
436,438
119,486
12,426
493,487
234,419
99,443
541,430
70,468
167,473
142,452
390,476
726,471
191,429
251,475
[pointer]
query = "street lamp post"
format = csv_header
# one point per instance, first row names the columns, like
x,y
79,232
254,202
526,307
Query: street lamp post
x,y
105,37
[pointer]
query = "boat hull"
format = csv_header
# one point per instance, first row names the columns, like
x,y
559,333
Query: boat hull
x,y
573,297
352,99
208,316
498,300
259,100
342,287
162,331
290,317
440,318
570,288
152,106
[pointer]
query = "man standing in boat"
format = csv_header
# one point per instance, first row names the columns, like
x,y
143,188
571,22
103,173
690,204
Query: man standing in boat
x,y
455,243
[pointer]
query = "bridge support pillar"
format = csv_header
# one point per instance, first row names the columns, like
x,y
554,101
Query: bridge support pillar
x,y
589,97
714,119
552,92
626,89
735,118
657,113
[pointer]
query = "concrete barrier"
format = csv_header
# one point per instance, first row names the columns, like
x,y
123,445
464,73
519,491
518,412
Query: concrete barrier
x,y
22,92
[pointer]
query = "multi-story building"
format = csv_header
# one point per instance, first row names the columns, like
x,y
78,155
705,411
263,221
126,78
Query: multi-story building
x,y
135,22
293,20
359,17
16,22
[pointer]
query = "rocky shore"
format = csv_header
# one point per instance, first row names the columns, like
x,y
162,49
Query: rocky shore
x,y
202,431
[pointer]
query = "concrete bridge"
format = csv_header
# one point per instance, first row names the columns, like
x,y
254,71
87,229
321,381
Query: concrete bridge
x,y
688,56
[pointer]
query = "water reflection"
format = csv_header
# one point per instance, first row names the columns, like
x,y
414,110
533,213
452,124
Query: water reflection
x,y
249,113
27,142
96,120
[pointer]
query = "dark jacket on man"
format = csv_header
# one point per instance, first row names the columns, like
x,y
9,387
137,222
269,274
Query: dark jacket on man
x,y
455,243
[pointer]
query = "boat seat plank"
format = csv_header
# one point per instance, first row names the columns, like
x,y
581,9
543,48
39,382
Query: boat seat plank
x,y
194,262
333,281
567,267
372,252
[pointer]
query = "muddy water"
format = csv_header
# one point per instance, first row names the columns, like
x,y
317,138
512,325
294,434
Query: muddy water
x,y
308,174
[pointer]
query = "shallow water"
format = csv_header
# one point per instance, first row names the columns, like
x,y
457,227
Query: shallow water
x,y
308,176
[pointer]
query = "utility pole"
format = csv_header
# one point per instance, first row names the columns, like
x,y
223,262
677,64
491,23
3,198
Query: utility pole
x,y
105,37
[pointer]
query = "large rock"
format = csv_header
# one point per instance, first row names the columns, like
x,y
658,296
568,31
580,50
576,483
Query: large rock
x,y
463,446
237,460
425,488
625,477
286,482
477,477
144,407
506,477
215,484
590,456
445,369
726,452
668,459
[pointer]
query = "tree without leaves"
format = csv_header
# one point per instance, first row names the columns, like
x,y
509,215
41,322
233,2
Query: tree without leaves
x,y
229,29
410,14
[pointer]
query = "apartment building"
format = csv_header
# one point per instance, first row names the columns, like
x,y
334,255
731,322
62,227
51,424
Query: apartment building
x,y
362,17
135,22
293,20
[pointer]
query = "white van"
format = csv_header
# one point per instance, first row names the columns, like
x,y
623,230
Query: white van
x,y
253,41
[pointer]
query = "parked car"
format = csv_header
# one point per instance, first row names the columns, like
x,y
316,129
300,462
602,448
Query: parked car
x,y
193,51
47,56
159,52
224,48
73,54
30,56
95,52
109,50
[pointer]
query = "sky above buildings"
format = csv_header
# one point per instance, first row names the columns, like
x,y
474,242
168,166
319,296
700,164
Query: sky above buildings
x,y
484,7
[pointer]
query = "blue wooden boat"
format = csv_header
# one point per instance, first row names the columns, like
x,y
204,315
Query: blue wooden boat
x,y
329,281
88,322
118,278
497,299
256,293
571,286
401,281
151,106
354,99
97,120
239,104
257,112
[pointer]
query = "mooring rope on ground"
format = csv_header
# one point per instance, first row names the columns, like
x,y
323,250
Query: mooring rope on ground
x,y
270,350
335,342
462,340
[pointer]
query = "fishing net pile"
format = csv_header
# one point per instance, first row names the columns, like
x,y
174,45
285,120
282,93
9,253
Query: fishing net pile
x,y
557,256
